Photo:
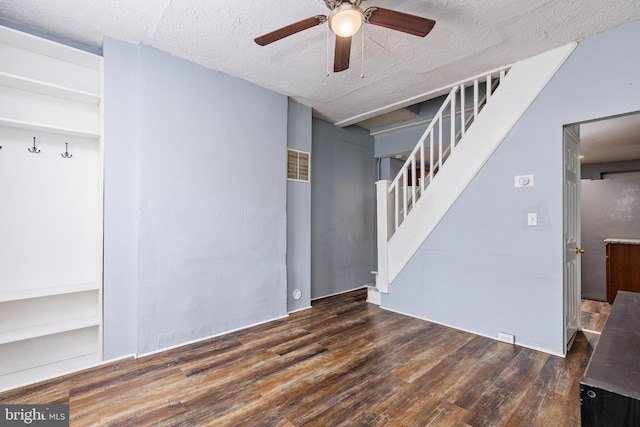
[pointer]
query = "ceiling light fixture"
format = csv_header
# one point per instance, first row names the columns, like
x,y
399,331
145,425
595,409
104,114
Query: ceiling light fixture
x,y
346,20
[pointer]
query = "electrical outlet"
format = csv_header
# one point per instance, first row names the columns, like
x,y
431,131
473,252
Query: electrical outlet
x,y
509,339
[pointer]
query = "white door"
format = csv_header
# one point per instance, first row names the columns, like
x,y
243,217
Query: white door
x,y
571,179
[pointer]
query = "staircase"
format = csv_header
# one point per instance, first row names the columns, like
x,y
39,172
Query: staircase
x,y
471,123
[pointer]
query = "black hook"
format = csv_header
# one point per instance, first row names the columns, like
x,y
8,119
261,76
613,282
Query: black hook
x,y
66,154
34,149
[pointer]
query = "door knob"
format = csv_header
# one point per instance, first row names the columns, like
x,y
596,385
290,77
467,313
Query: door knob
x,y
579,250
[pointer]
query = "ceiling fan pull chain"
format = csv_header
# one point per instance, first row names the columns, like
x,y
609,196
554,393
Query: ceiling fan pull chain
x,y
362,51
327,51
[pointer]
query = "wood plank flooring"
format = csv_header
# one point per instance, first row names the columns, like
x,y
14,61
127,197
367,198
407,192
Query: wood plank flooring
x,y
343,362
594,314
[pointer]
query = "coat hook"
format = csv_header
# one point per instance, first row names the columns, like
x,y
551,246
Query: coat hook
x,y
34,149
66,154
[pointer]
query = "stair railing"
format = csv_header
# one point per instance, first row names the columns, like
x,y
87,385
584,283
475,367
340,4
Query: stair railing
x,y
414,177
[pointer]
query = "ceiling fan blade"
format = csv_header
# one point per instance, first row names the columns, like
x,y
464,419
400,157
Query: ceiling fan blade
x,y
342,54
290,29
399,21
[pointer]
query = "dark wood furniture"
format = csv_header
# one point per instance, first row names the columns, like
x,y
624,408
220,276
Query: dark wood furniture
x,y
610,388
623,266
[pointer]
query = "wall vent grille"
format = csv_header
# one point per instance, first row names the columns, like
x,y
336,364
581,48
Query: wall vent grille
x,y
298,165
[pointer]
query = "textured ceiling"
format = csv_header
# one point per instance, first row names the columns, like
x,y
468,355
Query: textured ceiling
x,y
611,140
470,37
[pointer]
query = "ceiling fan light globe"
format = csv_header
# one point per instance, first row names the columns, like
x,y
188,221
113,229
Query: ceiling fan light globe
x,y
346,20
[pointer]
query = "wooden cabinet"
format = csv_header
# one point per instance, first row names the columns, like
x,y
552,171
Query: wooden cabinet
x,y
623,266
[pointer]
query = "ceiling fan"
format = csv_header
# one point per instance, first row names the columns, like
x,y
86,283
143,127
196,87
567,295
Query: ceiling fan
x,y
345,20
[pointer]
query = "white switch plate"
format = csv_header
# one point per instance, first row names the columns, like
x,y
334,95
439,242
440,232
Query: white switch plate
x,y
521,181
532,219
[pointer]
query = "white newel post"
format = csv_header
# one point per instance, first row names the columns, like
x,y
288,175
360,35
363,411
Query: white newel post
x,y
384,227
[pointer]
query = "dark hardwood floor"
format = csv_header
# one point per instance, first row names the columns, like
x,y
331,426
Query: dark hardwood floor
x,y
594,314
343,362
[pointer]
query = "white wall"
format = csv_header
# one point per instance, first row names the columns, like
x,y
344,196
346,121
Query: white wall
x,y
50,218
483,269
195,167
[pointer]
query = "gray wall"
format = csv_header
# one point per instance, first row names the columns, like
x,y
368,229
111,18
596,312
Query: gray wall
x,y
388,144
343,173
195,191
483,269
389,168
609,208
121,201
595,170
393,142
299,213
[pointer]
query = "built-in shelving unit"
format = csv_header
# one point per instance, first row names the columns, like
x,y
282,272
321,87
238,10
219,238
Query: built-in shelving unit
x,y
51,220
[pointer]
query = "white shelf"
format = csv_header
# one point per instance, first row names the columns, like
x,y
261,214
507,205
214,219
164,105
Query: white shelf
x,y
51,370
20,294
36,86
38,127
49,48
48,329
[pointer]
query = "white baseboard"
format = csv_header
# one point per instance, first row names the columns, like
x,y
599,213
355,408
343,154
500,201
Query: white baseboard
x,y
300,309
543,350
374,296
53,370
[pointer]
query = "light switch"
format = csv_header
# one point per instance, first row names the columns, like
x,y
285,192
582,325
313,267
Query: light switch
x,y
532,219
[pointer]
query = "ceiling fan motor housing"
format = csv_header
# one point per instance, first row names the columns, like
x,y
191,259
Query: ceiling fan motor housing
x,y
333,4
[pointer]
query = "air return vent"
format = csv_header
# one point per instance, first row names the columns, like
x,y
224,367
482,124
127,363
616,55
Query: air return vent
x,y
298,163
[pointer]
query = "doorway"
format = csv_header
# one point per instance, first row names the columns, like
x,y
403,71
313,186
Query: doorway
x,y
609,202
610,193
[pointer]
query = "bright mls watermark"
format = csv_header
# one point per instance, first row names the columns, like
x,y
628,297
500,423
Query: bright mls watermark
x,y
34,415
